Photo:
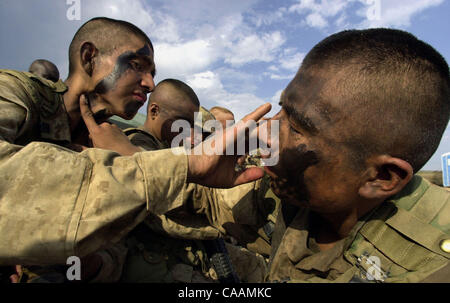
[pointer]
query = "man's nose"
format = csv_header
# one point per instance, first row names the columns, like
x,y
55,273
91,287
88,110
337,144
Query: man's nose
x,y
148,82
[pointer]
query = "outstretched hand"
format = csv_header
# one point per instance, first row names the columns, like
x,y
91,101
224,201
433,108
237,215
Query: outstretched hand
x,y
219,170
106,135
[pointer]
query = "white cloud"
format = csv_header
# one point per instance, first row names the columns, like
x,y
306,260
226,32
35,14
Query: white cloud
x,y
182,49
375,13
210,90
291,62
316,20
269,17
279,76
183,58
318,13
288,63
255,48
206,81
132,11
396,13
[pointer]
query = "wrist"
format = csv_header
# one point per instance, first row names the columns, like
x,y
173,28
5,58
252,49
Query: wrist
x,y
129,150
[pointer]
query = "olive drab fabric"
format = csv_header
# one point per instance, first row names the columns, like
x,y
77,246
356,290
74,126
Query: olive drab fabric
x,y
406,234
57,203
153,257
246,212
400,241
168,248
40,105
143,139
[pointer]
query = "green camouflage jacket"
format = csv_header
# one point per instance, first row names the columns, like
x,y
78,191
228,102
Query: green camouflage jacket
x,y
405,239
57,203
168,248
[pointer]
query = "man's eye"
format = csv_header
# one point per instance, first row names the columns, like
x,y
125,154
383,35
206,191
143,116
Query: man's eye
x,y
293,130
135,65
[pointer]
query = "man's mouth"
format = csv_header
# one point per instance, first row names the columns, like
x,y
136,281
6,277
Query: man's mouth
x,y
140,97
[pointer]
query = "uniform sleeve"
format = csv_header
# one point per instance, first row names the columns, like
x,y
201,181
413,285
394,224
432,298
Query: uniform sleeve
x,y
243,204
14,104
56,203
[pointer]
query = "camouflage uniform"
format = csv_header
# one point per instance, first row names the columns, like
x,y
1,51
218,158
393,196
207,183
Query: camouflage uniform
x,y
405,239
166,248
57,203
407,235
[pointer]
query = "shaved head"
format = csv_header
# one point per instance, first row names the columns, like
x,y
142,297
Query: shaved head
x,y
173,94
386,91
171,100
222,114
45,69
106,34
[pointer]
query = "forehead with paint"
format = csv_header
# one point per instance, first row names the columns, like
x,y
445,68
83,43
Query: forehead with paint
x,y
313,104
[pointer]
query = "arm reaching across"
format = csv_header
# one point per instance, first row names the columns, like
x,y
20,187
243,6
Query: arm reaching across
x,y
56,203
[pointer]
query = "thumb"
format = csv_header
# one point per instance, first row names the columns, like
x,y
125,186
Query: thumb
x,y
249,175
87,114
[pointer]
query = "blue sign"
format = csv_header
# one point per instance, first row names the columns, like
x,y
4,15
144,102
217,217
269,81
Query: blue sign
x,y
446,169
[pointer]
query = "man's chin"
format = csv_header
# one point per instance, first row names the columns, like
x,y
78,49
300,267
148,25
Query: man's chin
x,y
130,111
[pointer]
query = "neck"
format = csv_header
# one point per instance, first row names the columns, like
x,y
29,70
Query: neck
x,y
148,127
338,225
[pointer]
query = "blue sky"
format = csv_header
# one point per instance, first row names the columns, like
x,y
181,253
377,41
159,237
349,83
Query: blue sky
x,y
234,53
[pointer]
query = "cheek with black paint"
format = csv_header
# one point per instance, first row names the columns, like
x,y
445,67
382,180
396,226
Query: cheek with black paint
x,y
122,65
131,108
294,162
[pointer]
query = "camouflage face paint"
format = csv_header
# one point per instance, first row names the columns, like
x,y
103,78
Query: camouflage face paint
x,y
294,162
131,108
122,65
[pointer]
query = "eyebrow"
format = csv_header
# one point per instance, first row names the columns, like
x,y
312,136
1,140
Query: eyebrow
x,y
148,61
299,118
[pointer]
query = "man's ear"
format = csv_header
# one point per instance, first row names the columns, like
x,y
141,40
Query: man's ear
x,y
153,110
385,177
88,52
